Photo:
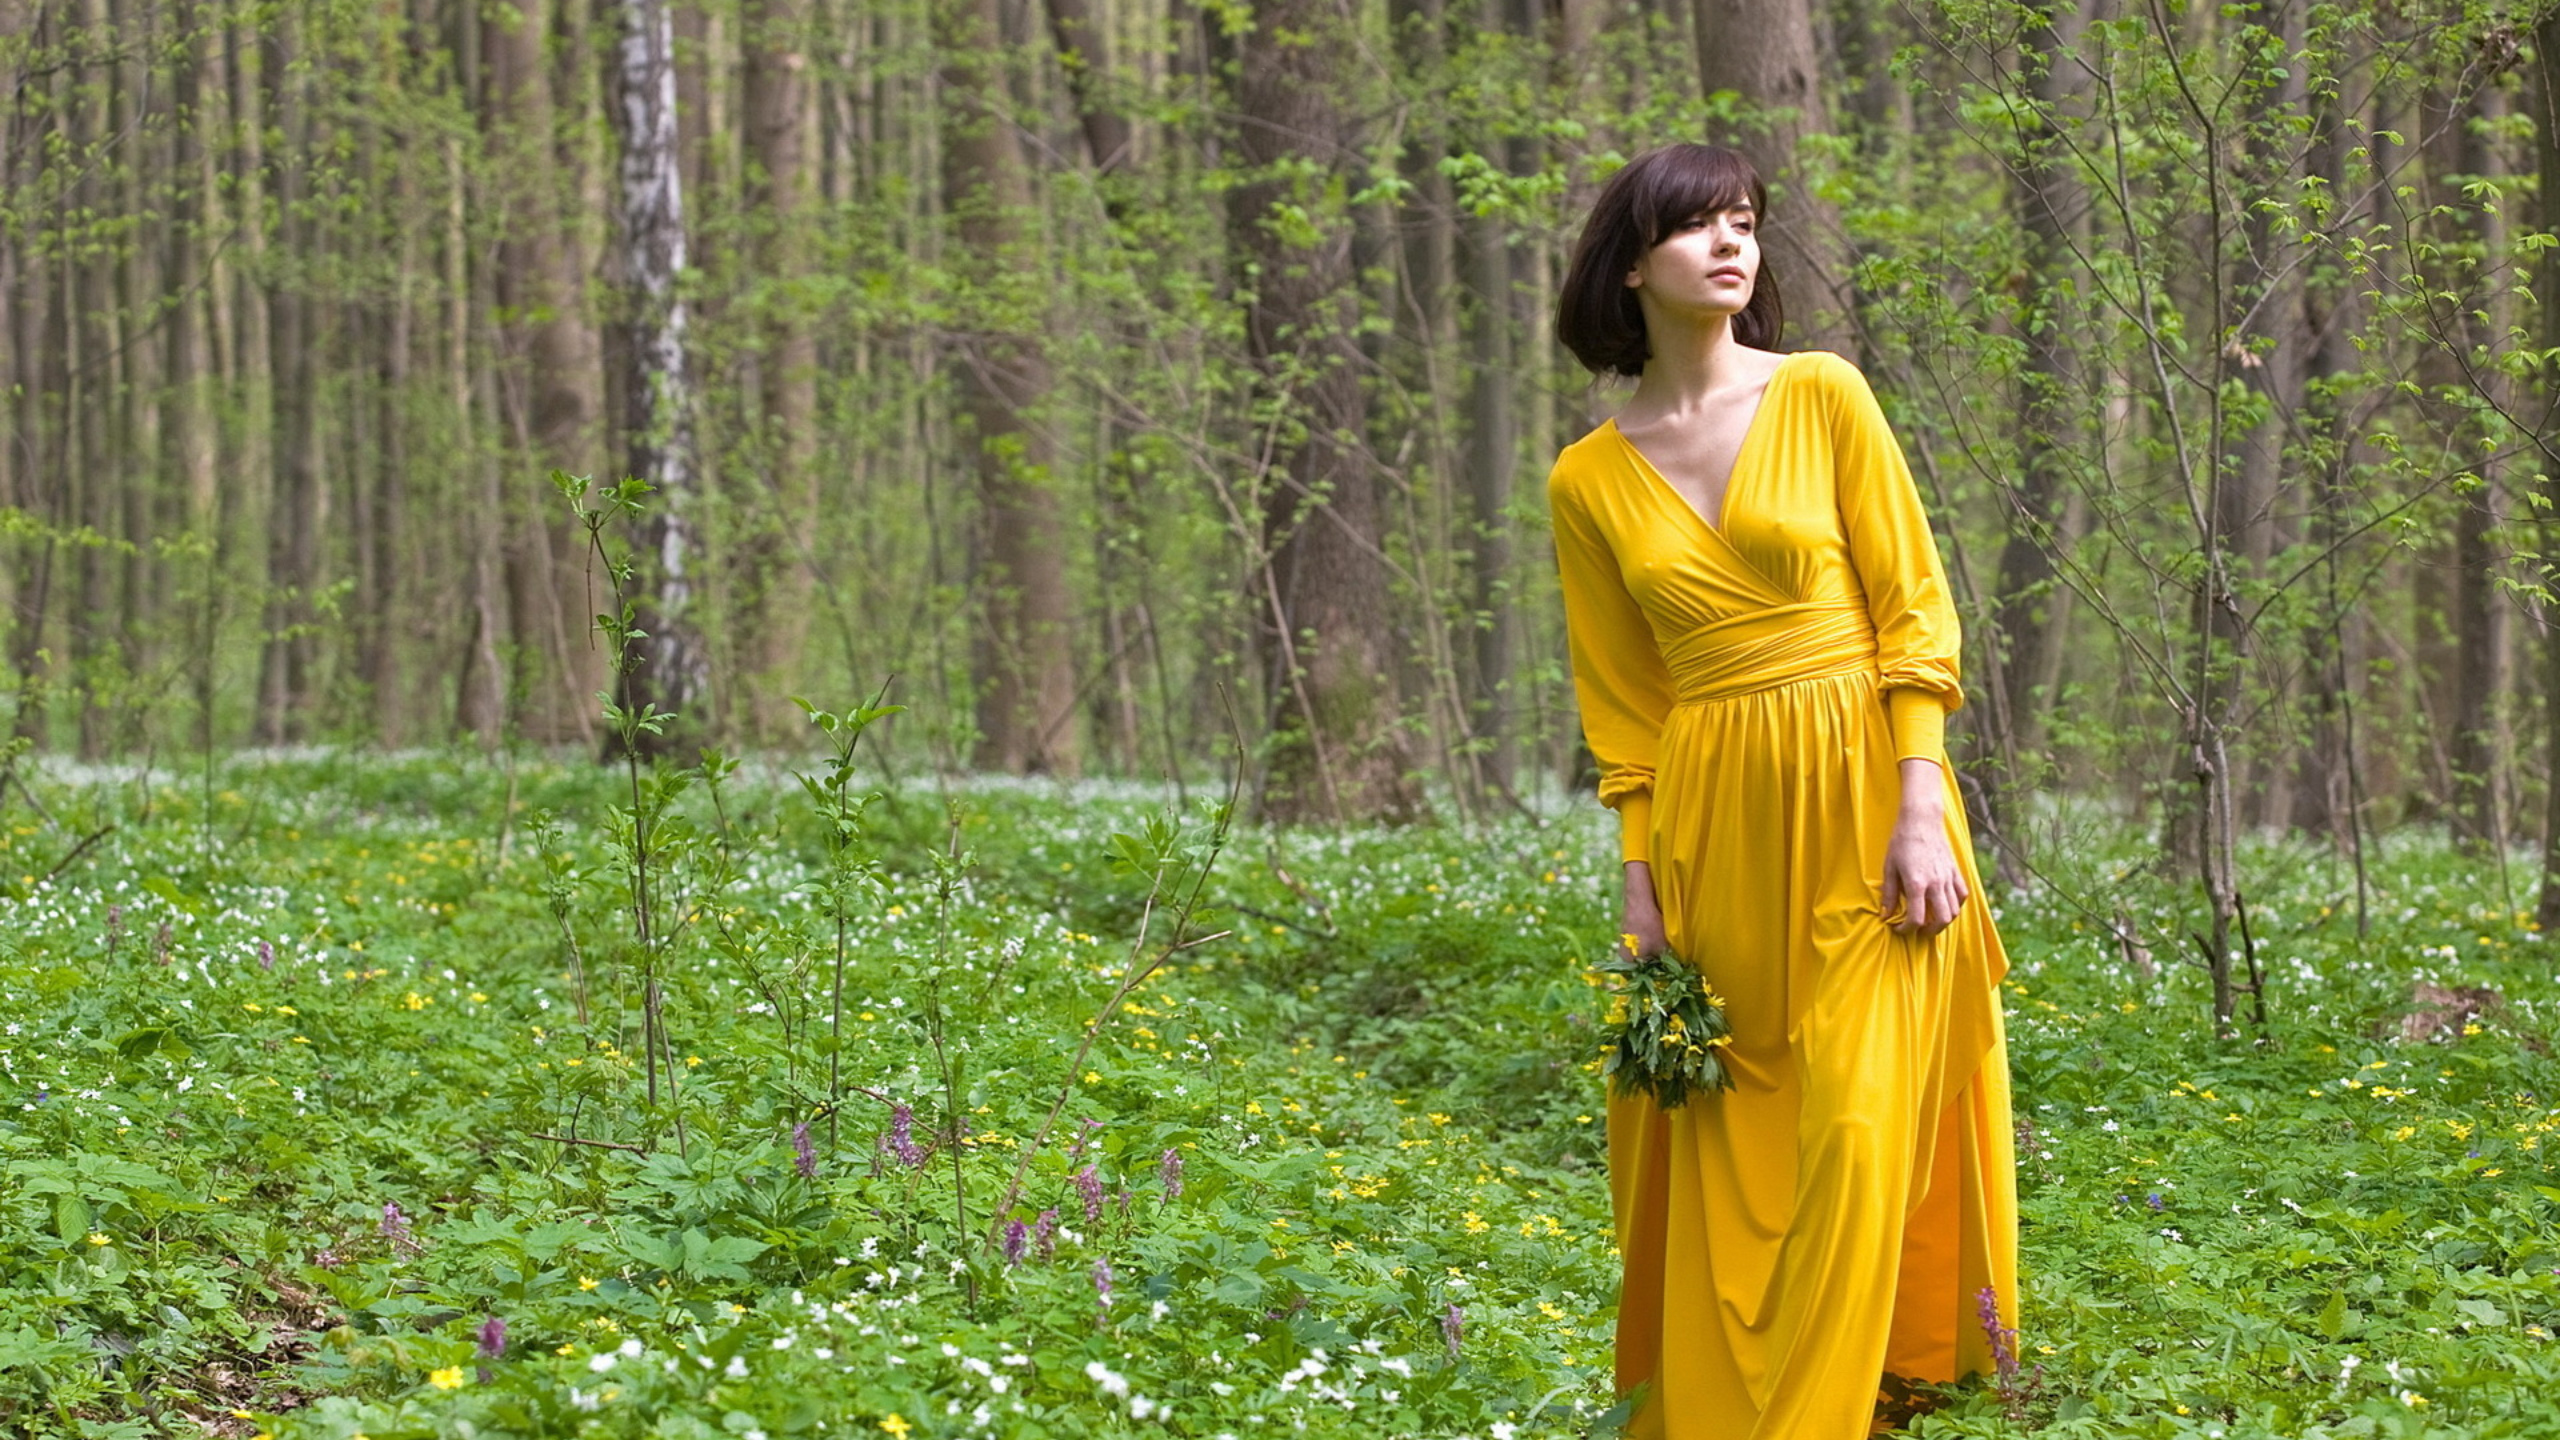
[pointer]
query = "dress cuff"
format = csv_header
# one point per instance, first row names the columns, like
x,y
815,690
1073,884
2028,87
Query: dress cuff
x,y
1635,825
1919,721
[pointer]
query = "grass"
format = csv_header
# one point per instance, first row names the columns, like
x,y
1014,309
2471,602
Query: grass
x,y
293,1061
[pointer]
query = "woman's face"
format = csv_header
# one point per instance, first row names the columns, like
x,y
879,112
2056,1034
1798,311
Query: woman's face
x,y
1706,266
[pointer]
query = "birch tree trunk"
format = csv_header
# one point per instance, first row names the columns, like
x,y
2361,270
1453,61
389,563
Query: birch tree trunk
x,y
673,672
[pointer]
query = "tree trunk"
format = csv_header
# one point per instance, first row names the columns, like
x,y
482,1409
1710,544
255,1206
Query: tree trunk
x,y
480,677
1763,49
2033,606
142,118
288,667
95,369
2545,93
2477,615
2275,372
1084,52
773,610
554,395
247,506
1338,751
1025,660
673,670
1492,465
17,37
194,444
2324,798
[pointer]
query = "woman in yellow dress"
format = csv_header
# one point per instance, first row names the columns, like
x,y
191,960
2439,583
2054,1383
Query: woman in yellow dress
x,y
1764,650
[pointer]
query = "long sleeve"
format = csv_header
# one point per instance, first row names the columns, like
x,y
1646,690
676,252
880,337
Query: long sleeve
x,y
1620,684
1919,642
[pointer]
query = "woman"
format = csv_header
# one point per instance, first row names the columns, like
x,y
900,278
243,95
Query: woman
x,y
1765,651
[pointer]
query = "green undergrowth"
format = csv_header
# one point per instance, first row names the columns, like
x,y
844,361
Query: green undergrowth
x,y
304,1133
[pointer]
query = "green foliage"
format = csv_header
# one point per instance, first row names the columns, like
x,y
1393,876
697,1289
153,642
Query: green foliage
x,y
290,1121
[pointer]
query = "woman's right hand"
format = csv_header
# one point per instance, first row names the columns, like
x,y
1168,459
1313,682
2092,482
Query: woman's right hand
x,y
1641,915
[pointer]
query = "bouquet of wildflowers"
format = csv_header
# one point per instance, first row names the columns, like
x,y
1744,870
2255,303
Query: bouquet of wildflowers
x,y
1665,1028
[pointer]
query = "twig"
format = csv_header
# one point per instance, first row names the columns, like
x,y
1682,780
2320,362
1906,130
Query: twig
x,y
93,838
598,1144
1283,920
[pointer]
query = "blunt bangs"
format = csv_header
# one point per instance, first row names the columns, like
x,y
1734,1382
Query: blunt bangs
x,y
1689,180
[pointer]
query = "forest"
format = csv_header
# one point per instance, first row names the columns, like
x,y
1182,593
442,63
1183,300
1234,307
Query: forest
x,y
757,717
1066,369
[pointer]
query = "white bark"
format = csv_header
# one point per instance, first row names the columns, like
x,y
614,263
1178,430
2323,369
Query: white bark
x,y
675,672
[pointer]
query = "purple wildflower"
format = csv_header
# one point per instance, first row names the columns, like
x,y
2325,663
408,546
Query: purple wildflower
x,y
395,1226
2156,1203
266,955
1089,1185
160,943
115,925
1102,1281
493,1338
804,1156
901,1139
1075,1147
1169,1172
1017,1239
1453,1327
1044,1232
2003,1338
1123,1199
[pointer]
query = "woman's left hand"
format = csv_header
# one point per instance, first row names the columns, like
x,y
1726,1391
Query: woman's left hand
x,y
1920,870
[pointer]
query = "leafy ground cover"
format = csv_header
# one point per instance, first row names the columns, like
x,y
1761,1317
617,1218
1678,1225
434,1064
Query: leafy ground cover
x,y
344,1096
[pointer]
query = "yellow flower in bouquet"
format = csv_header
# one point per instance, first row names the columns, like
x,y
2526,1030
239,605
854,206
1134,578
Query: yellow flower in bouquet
x,y
1665,1029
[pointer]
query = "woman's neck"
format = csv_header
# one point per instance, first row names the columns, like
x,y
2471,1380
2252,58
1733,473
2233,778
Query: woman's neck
x,y
1691,361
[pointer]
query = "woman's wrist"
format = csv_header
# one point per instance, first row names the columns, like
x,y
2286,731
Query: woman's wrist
x,y
1924,793
1639,880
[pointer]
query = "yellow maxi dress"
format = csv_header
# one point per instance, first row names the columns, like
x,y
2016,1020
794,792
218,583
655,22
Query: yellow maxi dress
x,y
1749,690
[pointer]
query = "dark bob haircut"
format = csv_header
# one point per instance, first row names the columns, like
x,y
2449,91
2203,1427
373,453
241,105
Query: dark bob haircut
x,y
1597,317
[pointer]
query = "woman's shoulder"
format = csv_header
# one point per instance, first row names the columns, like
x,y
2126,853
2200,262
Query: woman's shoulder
x,y
1577,463
1837,381
1828,366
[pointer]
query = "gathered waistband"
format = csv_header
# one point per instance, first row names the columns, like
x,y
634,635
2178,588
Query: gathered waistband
x,y
1768,648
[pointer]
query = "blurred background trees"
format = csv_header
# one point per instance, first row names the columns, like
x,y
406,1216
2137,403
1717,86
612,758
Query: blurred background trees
x,y
1077,362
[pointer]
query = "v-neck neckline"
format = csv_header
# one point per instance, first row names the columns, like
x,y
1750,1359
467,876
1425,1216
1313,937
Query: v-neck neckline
x,y
1742,452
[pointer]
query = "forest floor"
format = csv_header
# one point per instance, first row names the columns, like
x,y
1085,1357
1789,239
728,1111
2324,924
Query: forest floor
x,y
294,1055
